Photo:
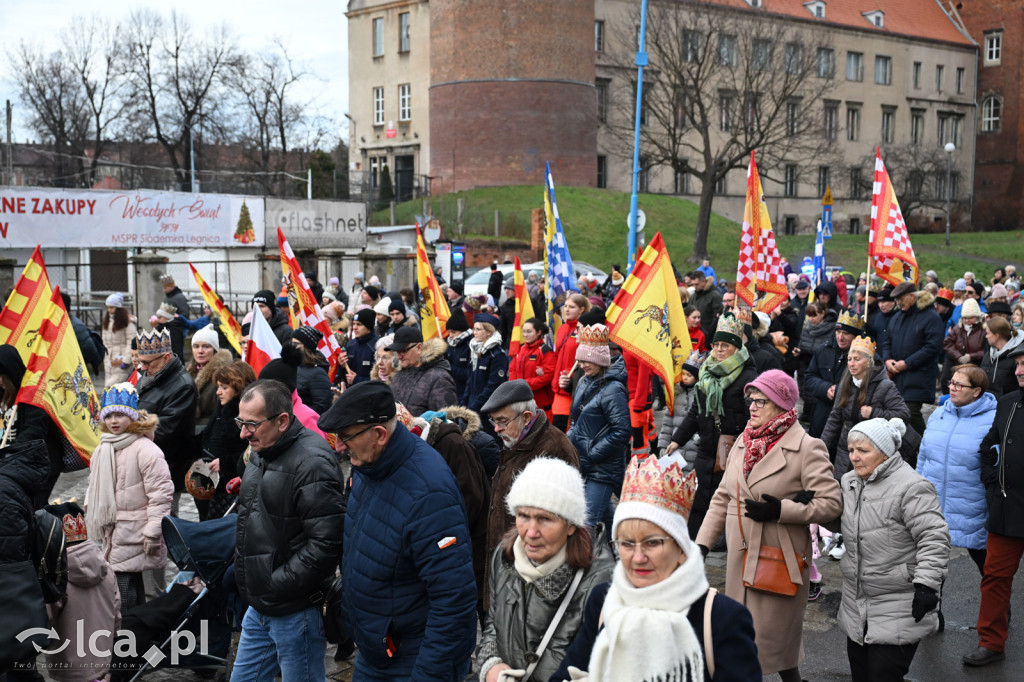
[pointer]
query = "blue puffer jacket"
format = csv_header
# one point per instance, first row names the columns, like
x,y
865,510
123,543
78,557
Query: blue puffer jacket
x,y
915,336
407,565
600,429
360,356
491,370
950,459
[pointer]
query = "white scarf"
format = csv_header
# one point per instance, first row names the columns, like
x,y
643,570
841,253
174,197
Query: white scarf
x,y
530,571
646,634
857,382
477,348
100,504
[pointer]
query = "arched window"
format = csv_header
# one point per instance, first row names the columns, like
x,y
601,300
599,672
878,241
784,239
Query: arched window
x,y
991,114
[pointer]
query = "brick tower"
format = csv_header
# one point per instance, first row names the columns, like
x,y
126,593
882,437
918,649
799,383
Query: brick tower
x,y
512,86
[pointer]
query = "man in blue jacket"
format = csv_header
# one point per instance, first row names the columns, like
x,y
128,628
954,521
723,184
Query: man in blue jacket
x,y
407,566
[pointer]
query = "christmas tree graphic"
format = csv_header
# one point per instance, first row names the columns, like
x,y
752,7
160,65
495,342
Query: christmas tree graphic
x,y
244,232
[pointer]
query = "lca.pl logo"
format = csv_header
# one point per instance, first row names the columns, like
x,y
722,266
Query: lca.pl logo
x,y
97,643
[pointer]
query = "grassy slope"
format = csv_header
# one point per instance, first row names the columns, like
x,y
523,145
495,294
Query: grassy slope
x,y
595,228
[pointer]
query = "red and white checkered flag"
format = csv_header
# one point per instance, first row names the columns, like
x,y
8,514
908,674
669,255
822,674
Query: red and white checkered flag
x,y
891,251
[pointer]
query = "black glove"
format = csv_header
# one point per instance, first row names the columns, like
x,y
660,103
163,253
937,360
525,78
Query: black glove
x,y
762,512
925,601
704,551
804,496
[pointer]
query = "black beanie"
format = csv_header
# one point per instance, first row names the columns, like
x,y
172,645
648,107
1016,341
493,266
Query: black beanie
x,y
284,368
367,318
396,304
266,297
309,337
373,292
457,322
594,316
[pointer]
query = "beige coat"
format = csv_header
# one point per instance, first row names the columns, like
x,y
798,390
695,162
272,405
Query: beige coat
x,y
797,462
119,345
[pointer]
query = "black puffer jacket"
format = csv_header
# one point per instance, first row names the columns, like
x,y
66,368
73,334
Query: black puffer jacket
x,y
1002,467
915,337
23,468
600,429
279,325
428,386
290,518
314,387
458,358
826,369
171,395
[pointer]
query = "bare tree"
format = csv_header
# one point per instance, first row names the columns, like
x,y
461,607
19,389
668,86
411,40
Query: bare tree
x,y
918,174
722,83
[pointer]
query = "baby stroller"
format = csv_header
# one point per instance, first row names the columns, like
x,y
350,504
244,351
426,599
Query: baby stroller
x,y
164,627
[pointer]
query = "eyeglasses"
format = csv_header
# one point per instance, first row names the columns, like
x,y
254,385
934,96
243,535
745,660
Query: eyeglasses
x,y
251,426
647,546
721,345
759,403
502,422
957,386
346,439
147,363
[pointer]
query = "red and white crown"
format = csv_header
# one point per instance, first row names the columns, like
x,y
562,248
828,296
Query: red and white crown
x,y
593,335
670,488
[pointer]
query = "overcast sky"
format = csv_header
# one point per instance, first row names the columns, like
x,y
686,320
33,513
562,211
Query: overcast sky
x,y
315,32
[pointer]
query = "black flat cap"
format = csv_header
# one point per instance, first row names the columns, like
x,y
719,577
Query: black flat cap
x,y
902,289
405,337
368,402
517,391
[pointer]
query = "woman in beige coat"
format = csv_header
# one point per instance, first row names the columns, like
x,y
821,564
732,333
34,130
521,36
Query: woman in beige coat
x,y
119,329
777,481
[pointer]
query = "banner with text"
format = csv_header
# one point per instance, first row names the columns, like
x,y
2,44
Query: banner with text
x,y
142,218
318,224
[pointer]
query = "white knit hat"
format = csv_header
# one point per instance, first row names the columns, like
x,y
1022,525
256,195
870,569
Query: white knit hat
x,y
885,434
116,300
552,485
970,308
382,306
207,335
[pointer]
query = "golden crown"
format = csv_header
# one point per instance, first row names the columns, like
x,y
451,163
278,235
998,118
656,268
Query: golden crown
x,y
864,344
744,315
593,335
848,320
74,528
668,488
154,342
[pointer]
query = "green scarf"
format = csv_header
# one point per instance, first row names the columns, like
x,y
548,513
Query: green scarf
x,y
715,377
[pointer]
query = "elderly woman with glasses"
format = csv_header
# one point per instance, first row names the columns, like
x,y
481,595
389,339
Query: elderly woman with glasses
x,y
950,457
657,619
778,480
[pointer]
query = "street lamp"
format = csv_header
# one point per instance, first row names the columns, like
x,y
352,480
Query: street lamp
x,y
950,148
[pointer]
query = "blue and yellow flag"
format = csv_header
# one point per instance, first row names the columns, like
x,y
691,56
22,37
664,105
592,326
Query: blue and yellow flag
x,y
559,275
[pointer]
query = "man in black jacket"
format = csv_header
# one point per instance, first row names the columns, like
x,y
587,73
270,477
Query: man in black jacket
x,y
826,369
288,538
495,282
275,317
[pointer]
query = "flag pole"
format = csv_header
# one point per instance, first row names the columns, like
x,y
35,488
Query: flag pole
x,y
868,272
641,62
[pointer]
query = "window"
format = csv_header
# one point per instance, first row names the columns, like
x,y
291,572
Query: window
x,y
404,32
940,185
883,70
599,38
791,224
960,76
949,128
991,113
680,103
602,172
378,106
817,9
602,85
854,225
875,18
826,62
642,176
916,126
854,66
693,43
856,184
993,48
793,57
792,118
790,181
405,102
831,120
727,50
888,124
726,111
378,37
761,52
721,186
752,111
915,184
643,104
682,184
852,123
824,179
916,75
376,163
938,77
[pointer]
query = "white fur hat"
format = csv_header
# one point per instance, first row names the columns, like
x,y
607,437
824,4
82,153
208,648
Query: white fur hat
x,y
549,484
207,335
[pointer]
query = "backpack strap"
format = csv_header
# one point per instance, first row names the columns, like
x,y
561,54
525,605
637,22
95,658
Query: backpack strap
x,y
709,646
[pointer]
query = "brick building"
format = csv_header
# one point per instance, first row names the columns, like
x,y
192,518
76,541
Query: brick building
x,y
998,28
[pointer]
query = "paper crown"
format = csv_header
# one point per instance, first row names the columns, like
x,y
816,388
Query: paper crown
x,y
729,329
166,311
154,342
848,320
864,344
744,315
945,294
166,278
593,335
120,398
669,489
72,519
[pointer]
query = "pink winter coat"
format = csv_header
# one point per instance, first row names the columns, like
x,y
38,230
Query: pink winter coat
x,y
305,414
143,492
92,598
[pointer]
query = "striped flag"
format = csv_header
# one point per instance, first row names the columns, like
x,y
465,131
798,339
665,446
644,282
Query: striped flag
x,y
889,245
820,274
228,324
26,306
753,212
263,345
434,312
559,274
524,309
646,318
305,308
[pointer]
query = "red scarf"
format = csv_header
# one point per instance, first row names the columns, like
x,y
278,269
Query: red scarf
x,y
757,442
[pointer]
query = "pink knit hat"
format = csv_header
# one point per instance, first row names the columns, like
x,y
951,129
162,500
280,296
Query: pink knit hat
x,y
778,386
593,345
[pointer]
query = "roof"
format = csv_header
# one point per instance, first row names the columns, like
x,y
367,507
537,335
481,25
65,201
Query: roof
x,y
909,18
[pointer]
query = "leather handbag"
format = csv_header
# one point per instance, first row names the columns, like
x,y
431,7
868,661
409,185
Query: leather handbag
x,y
725,444
771,574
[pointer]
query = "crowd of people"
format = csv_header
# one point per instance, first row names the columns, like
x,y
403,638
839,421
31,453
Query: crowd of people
x,y
519,514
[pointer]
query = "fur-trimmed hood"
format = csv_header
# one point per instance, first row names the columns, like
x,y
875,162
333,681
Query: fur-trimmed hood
x,y
925,299
221,358
433,349
471,418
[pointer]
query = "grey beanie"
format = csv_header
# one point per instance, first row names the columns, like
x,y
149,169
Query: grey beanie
x,y
885,434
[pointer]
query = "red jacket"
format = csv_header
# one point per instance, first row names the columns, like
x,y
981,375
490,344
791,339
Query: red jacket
x,y
638,381
565,349
697,339
536,356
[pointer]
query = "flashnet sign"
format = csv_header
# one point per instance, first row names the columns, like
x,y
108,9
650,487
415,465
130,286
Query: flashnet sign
x,y
318,224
